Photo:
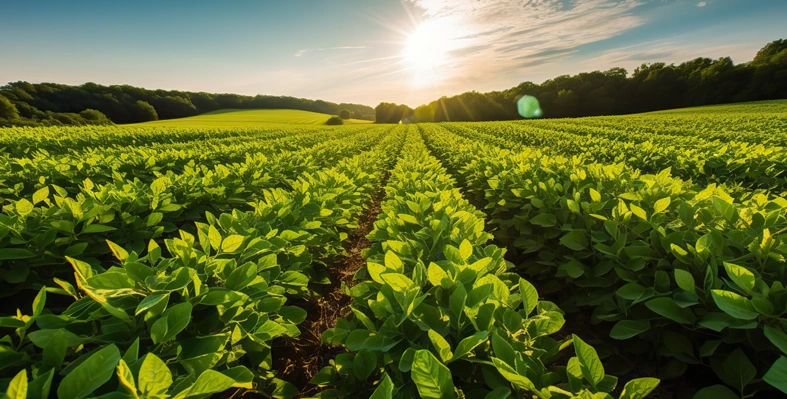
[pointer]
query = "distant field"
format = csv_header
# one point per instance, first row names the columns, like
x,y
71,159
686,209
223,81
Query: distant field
x,y
752,107
226,118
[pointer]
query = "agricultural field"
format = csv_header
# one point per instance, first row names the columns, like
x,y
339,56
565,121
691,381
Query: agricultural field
x,y
250,118
264,254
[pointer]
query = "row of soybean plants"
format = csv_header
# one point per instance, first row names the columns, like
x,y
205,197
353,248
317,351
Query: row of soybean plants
x,y
20,141
753,122
23,175
752,166
688,275
39,230
193,314
437,314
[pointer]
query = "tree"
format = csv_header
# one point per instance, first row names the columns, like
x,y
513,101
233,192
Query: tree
x,y
95,117
335,120
391,113
7,109
344,114
144,112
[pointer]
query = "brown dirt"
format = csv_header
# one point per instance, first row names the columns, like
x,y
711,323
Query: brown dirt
x,y
299,359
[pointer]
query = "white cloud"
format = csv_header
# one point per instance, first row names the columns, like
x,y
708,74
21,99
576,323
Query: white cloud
x,y
702,4
304,51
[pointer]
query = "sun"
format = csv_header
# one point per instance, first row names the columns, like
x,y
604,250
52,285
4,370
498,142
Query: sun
x,y
427,51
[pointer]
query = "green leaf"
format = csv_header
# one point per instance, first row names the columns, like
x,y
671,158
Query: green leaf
x,y
241,276
120,253
154,378
626,329
469,343
55,348
17,388
40,195
544,220
126,378
503,350
777,337
465,249
171,322
529,295
406,361
639,212
431,377
592,369
667,307
573,206
734,305
399,282
231,243
209,382
364,364
499,392
777,375
384,390
685,280
97,228
393,262
436,275
214,237
741,276
90,374
574,240
151,301
39,388
639,388
738,370
24,207
442,346
715,392
512,376
725,208
15,253
661,205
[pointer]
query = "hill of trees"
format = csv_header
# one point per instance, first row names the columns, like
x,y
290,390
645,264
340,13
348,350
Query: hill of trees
x,y
23,103
652,87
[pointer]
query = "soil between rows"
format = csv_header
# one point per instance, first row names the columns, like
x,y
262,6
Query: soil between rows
x,y
299,359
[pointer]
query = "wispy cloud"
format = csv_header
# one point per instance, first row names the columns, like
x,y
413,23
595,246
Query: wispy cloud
x,y
513,35
670,51
300,53
702,4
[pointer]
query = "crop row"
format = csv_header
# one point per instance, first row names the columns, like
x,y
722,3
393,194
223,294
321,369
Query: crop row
x,y
437,314
21,141
197,316
758,126
687,272
753,166
37,232
23,176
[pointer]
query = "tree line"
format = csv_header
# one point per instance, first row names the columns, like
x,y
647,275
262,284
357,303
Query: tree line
x,y
652,87
24,103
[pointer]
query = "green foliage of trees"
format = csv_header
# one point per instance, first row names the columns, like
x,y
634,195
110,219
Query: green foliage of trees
x,y
7,109
345,114
335,120
37,103
392,113
651,87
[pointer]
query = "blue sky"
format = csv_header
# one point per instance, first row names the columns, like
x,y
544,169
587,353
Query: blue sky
x,y
367,51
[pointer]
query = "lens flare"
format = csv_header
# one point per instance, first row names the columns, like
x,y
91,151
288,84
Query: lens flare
x,y
528,107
